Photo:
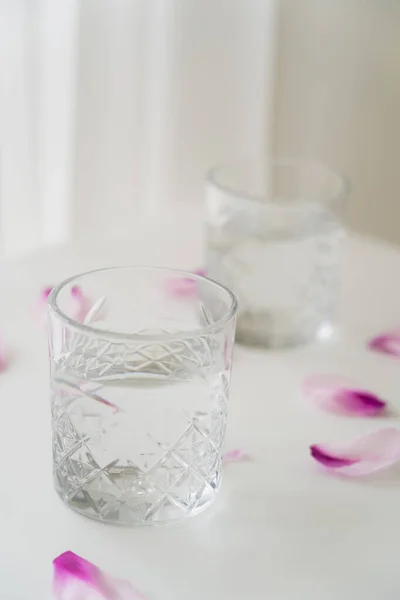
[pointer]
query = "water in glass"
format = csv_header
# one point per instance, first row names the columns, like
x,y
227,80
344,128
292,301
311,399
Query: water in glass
x,y
286,281
139,418
141,449
276,249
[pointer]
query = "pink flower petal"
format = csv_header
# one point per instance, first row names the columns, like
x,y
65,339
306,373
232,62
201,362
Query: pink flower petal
x,y
332,394
184,286
78,579
3,357
45,293
76,292
80,304
387,343
327,460
82,308
365,455
236,455
40,308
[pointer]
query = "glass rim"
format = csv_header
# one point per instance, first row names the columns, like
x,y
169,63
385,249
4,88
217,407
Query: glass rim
x,y
89,329
342,182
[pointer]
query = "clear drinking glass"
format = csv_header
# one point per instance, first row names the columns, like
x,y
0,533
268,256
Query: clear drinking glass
x,y
273,236
140,392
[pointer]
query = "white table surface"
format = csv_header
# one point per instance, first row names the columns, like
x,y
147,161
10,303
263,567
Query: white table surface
x,y
281,528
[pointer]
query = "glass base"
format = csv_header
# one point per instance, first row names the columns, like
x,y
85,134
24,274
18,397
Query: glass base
x,y
138,449
260,329
139,509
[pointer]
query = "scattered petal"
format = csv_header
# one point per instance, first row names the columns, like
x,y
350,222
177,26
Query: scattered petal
x,y
80,304
327,460
184,286
82,308
236,455
45,293
40,309
333,394
3,357
76,579
365,455
387,343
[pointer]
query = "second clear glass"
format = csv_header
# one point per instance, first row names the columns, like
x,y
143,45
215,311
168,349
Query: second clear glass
x,y
273,236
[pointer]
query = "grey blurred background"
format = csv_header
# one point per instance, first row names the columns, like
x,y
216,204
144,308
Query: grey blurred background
x,y
338,98
112,111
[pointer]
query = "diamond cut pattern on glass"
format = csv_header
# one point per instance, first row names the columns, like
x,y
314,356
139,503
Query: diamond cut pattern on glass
x,y
163,477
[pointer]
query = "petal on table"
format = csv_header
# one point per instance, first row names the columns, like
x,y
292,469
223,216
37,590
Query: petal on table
x,y
3,357
184,286
81,308
365,455
40,309
45,293
335,395
80,304
235,455
387,343
78,579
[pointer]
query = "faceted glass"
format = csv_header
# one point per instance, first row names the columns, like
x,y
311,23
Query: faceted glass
x,y
273,236
139,393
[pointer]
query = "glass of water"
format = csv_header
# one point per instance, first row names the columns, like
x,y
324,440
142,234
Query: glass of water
x,y
273,236
140,392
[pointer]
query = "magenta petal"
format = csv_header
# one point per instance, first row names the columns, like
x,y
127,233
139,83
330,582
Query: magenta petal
x,y
3,357
45,293
39,310
79,309
80,304
184,286
387,343
76,291
331,393
181,287
327,460
359,402
69,564
236,455
375,451
76,578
